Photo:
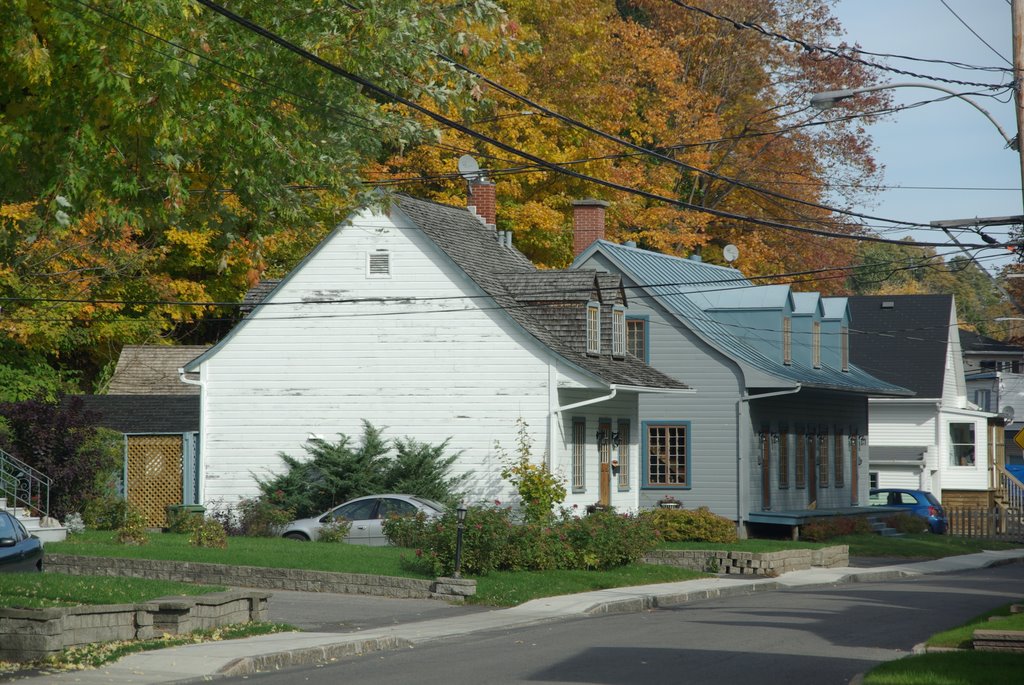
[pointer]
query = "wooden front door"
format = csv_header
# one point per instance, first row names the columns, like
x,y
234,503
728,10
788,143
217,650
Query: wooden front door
x,y
153,475
604,450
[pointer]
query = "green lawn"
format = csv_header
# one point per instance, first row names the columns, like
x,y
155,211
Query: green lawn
x,y
950,668
963,667
39,590
918,545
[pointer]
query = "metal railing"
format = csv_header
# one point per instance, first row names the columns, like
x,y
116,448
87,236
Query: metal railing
x,y
23,486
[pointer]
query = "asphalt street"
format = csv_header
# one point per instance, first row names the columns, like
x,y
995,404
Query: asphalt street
x,y
788,637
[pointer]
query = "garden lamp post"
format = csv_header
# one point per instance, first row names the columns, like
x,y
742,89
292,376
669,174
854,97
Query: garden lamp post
x,y
460,518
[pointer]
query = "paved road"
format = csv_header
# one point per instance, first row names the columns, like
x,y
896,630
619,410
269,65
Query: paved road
x,y
790,637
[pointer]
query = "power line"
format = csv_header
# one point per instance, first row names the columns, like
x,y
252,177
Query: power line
x,y
835,52
383,92
976,34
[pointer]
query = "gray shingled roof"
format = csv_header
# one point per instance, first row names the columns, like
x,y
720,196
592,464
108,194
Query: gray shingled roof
x,y
984,345
474,248
153,370
144,414
904,343
257,294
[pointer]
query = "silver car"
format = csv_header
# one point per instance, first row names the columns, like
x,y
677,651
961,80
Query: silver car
x,y
367,515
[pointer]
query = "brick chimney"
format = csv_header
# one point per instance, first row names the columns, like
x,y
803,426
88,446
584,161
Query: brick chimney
x,y
587,223
483,201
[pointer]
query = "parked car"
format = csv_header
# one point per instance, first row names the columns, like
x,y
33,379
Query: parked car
x,y
367,516
19,549
917,502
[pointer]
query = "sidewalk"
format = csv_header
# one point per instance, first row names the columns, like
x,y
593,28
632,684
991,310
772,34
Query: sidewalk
x,y
425,623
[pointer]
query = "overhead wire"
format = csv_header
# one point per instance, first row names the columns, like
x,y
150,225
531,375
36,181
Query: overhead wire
x,y
976,34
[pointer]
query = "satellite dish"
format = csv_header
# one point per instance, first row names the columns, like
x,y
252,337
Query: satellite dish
x,y
468,168
730,252
1007,415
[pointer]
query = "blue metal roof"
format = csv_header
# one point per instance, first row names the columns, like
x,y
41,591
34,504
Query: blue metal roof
x,y
679,284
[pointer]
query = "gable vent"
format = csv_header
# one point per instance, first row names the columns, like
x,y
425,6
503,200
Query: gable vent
x,y
378,264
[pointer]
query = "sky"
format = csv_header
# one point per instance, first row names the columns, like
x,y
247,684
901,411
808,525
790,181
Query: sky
x,y
948,145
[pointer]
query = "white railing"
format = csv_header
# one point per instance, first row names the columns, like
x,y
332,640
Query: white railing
x,y
23,486
1011,490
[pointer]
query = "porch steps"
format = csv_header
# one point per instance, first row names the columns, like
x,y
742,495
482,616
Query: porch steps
x,y
879,526
33,524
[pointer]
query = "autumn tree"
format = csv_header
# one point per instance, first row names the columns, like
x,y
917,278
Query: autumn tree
x,y
711,96
154,152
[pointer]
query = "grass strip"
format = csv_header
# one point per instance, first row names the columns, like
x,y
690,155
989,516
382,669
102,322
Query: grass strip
x,y
245,551
44,590
950,668
961,637
918,545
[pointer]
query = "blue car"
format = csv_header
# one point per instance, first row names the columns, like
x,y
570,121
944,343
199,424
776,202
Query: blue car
x,y
917,502
19,550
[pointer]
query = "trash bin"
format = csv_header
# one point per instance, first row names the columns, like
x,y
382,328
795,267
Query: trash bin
x,y
176,510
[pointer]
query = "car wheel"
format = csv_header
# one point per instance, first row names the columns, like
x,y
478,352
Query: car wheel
x,y
296,536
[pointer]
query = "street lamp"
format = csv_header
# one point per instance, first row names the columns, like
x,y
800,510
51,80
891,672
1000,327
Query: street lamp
x,y
460,518
828,98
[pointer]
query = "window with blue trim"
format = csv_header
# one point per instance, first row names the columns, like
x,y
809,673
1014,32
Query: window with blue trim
x,y
667,448
636,337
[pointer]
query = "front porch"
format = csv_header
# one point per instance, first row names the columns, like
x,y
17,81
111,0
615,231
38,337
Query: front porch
x,y
794,518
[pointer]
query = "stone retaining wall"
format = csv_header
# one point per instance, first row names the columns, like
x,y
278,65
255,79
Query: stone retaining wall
x,y
264,578
34,634
767,564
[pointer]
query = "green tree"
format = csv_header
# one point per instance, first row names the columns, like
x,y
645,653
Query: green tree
x,y
157,152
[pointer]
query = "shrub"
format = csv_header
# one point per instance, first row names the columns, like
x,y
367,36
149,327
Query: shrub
x,y
183,521
260,517
486,540
132,529
335,530
907,523
492,542
540,490
700,525
74,524
208,532
61,440
605,539
105,513
822,529
336,472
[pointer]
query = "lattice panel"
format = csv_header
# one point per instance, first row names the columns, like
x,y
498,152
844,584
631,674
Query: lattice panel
x,y
154,475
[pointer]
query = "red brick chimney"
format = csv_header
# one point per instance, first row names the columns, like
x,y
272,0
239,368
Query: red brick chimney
x,y
587,223
483,201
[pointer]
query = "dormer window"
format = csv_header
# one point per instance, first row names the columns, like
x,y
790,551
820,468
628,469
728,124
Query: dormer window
x,y
593,328
787,340
844,347
378,264
816,344
618,331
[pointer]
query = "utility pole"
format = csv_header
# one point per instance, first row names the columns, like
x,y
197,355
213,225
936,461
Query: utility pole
x,y
1017,10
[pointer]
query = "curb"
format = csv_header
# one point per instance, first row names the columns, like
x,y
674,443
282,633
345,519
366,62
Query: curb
x,y
311,655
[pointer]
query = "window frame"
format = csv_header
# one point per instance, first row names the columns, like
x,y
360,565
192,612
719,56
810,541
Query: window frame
x,y
844,347
800,459
687,465
579,454
644,326
623,455
823,458
593,332
618,331
954,459
839,457
783,450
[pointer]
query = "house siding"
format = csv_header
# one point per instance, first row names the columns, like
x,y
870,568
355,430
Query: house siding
x,y
434,369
